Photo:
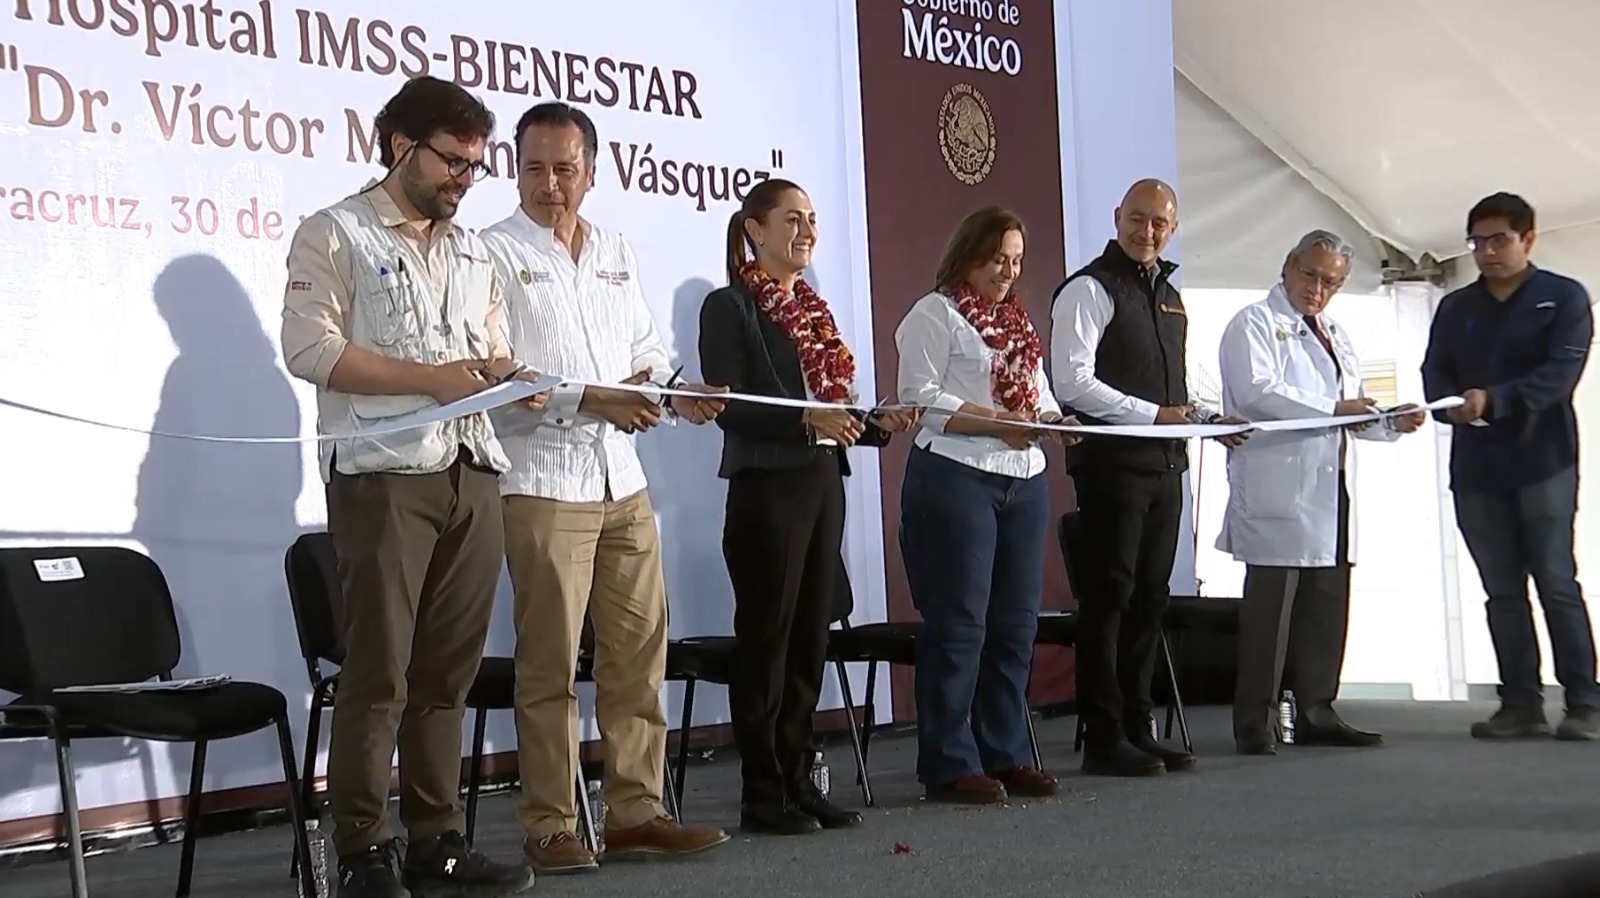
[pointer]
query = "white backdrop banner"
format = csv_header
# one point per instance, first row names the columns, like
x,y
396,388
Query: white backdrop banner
x,y
159,157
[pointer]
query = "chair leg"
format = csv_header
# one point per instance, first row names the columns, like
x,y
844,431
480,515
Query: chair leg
x,y
309,775
191,818
1175,654
670,790
1177,699
1077,736
686,722
857,743
586,828
298,810
480,727
1033,734
69,811
870,719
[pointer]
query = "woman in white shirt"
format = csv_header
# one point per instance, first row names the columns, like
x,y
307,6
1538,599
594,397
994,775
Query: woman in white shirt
x,y
974,515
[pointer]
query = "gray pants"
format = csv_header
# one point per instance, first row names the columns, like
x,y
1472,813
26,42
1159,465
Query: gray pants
x,y
1294,618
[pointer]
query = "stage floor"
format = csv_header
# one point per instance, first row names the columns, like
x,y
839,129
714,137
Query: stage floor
x,y
1431,807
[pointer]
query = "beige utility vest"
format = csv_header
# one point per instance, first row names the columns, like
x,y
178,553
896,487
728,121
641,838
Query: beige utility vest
x,y
396,312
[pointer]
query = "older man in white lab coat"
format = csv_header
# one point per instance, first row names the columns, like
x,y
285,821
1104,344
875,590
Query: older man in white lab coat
x,y
1288,515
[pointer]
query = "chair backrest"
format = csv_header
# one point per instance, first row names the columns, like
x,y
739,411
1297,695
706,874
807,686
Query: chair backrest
x,y
311,568
81,616
1070,533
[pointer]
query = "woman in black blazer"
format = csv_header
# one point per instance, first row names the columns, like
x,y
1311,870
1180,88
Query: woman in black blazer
x,y
769,333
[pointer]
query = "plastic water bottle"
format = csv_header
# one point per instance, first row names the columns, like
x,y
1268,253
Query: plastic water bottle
x,y
597,812
819,775
317,842
1286,714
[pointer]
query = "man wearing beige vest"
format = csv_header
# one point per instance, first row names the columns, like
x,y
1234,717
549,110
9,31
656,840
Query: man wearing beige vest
x,y
392,308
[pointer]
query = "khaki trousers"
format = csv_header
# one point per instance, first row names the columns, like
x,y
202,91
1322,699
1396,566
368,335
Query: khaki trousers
x,y
603,559
419,562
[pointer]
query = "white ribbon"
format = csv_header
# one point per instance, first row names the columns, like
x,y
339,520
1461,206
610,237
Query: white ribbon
x,y
519,389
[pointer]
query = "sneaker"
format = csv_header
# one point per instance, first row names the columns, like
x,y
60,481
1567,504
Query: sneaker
x,y
373,873
661,837
1513,722
1581,725
559,853
444,866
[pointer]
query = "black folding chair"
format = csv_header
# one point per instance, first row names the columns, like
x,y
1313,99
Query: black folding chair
x,y
1074,557
700,659
895,643
311,570
710,659
78,616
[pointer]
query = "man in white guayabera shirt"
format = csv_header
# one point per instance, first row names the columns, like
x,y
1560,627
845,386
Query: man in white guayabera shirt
x,y
581,538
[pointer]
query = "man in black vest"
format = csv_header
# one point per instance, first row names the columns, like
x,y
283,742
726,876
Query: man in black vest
x,y
1117,357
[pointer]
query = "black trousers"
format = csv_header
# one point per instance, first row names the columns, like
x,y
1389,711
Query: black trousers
x,y
781,539
1294,619
1130,524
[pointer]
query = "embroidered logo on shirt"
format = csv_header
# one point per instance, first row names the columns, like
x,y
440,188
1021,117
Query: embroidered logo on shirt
x,y
536,277
614,278
299,286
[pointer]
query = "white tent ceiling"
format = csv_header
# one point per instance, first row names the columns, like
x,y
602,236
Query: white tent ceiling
x,y
1405,112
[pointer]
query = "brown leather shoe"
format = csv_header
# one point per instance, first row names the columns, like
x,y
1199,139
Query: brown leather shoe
x,y
559,853
972,789
661,837
1028,782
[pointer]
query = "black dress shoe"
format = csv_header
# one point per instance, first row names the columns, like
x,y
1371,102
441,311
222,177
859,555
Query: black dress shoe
x,y
1120,759
777,819
1174,759
1258,743
1514,722
1339,733
1582,724
826,813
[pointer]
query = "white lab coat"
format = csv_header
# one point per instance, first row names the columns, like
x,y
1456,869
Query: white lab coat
x,y
1283,488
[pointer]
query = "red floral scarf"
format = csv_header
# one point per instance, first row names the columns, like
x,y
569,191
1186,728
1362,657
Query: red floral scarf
x,y
1005,327
803,316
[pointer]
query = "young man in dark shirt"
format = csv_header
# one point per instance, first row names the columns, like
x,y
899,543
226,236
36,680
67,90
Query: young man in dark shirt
x,y
1513,344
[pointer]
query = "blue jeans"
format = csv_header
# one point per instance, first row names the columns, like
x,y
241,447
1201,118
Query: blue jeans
x,y
974,548
1528,532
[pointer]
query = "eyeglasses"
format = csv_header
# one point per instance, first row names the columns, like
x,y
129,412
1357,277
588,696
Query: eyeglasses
x,y
1328,282
1496,241
457,166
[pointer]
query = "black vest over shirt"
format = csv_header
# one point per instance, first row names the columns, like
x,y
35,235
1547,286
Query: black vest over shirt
x,y
1141,353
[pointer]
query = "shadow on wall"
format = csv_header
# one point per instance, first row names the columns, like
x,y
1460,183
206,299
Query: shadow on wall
x,y
216,517
681,463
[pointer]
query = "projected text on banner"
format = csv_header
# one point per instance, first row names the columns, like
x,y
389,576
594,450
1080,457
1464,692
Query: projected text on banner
x,y
73,98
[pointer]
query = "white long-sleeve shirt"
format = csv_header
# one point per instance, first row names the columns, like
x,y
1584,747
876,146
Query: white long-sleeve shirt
x,y
1077,321
586,320
945,363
